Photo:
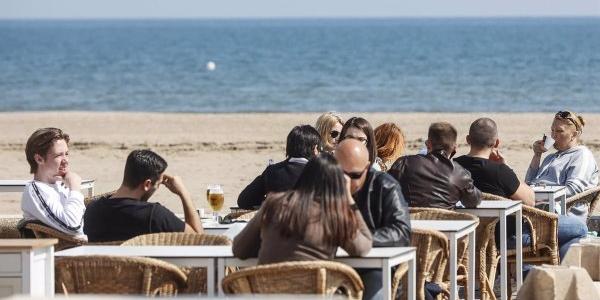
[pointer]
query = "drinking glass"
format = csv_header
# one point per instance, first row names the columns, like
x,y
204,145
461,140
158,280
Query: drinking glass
x,y
215,198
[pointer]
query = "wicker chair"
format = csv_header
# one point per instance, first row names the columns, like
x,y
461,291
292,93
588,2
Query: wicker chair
x,y
9,229
89,200
591,198
432,257
196,276
241,214
303,277
543,249
425,213
117,275
65,241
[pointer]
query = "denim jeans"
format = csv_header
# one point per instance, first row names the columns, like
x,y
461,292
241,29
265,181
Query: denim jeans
x,y
372,280
511,236
570,230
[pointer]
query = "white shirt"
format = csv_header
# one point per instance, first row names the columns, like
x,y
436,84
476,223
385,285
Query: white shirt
x,y
54,205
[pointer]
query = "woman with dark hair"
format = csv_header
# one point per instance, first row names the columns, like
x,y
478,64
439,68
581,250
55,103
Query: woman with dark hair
x,y
303,143
360,129
308,222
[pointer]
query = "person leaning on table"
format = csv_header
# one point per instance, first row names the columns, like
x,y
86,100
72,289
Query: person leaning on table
x,y
308,222
573,166
127,213
53,197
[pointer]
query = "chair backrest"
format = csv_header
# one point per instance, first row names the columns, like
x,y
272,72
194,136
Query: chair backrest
x,y
177,239
241,214
65,241
9,228
432,257
591,197
303,277
91,199
117,275
426,213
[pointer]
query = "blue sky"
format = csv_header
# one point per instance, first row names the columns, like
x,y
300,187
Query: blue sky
x,y
17,9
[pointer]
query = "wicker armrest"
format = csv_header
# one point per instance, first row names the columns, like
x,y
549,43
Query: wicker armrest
x,y
544,227
88,200
589,197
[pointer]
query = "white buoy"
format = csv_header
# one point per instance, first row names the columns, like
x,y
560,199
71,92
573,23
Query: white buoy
x,y
211,66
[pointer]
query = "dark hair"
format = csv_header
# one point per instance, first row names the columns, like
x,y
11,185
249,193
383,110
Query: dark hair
x,y
442,136
301,142
483,133
365,126
40,142
321,181
142,165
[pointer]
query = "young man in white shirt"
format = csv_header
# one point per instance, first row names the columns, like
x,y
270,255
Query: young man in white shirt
x,y
53,197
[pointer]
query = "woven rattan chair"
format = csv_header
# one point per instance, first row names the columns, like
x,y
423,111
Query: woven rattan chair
x,y
591,198
432,258
196,276
89,200
425,213
241,214
303,277
65,241
543,249
117,275
9,229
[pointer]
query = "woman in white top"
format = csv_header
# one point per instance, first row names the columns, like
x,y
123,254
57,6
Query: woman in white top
x,y
572,165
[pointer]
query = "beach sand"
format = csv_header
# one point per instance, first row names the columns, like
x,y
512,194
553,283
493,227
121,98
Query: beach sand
x,y
230,149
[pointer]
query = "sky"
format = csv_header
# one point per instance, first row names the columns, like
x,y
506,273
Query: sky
x,y
143,9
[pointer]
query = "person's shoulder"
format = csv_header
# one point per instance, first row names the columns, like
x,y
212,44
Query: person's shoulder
x,y
584,151
383,179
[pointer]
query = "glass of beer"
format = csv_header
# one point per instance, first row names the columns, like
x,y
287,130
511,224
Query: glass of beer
x,y
215,198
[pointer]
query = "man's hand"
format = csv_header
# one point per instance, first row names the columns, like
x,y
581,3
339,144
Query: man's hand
x,y
72,181
174,184
348,189
496,156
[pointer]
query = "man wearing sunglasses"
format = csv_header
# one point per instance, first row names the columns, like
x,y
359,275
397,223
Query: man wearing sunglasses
x,y
380,200
433,179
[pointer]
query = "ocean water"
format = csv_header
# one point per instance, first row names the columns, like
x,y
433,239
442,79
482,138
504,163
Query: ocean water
x,y
432,65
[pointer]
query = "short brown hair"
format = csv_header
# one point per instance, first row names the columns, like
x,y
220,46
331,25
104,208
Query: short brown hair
x,y
40,142
483,133
442,136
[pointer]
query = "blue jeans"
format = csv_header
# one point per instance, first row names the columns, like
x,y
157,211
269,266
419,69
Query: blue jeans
x,y
570,230
372,280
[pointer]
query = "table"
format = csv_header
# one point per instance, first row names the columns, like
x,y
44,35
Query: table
x,y
551,193
27,267
501,209
454,230
17,186
222,256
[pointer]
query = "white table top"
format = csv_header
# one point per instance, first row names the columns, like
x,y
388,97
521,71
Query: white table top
x,y
548,188
493,204
443,225
24,182
199,251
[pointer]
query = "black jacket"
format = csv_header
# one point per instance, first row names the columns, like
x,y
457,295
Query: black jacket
x,y
433,180
384,209
279,177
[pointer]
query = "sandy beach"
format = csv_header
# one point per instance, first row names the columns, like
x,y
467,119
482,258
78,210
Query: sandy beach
x,y
230,149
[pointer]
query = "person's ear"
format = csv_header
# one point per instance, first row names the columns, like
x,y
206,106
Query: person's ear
x,y
316,150
428,144
38,158
468,138
147,185
497,143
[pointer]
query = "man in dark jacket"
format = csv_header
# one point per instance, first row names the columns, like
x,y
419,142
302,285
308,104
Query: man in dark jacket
x,y
434,180
303,143
380,200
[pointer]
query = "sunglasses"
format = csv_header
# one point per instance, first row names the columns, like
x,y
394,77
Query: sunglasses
x,y
356,175
334,134
568,116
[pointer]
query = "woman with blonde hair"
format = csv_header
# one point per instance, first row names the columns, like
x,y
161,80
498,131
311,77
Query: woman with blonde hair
x,y
329,125
390,144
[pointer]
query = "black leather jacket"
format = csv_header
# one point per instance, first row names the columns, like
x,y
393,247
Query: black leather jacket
x,y
384,209
433,180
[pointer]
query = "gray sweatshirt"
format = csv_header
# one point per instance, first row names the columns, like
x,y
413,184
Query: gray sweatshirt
x,y
574,168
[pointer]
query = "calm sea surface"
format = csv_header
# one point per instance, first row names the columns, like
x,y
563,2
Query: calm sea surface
x,y
533,64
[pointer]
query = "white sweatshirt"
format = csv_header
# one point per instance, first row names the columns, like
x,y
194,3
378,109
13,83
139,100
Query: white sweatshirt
x,y
54,205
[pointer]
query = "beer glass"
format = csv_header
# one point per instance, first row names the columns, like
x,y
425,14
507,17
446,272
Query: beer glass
x,y
215,198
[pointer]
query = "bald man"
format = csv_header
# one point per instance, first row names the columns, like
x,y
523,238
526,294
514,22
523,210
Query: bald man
x,y
380,200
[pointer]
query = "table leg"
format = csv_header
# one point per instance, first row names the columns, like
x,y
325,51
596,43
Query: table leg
x,y
453,267
387,280
210,279
471,287
519,266
220,274
563,204
49,270
551,203
412,278
503,258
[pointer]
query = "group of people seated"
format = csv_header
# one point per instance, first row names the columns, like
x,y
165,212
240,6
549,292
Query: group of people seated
x,y
342,184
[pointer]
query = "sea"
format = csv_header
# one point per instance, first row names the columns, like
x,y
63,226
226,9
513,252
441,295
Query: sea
x,y
301,65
